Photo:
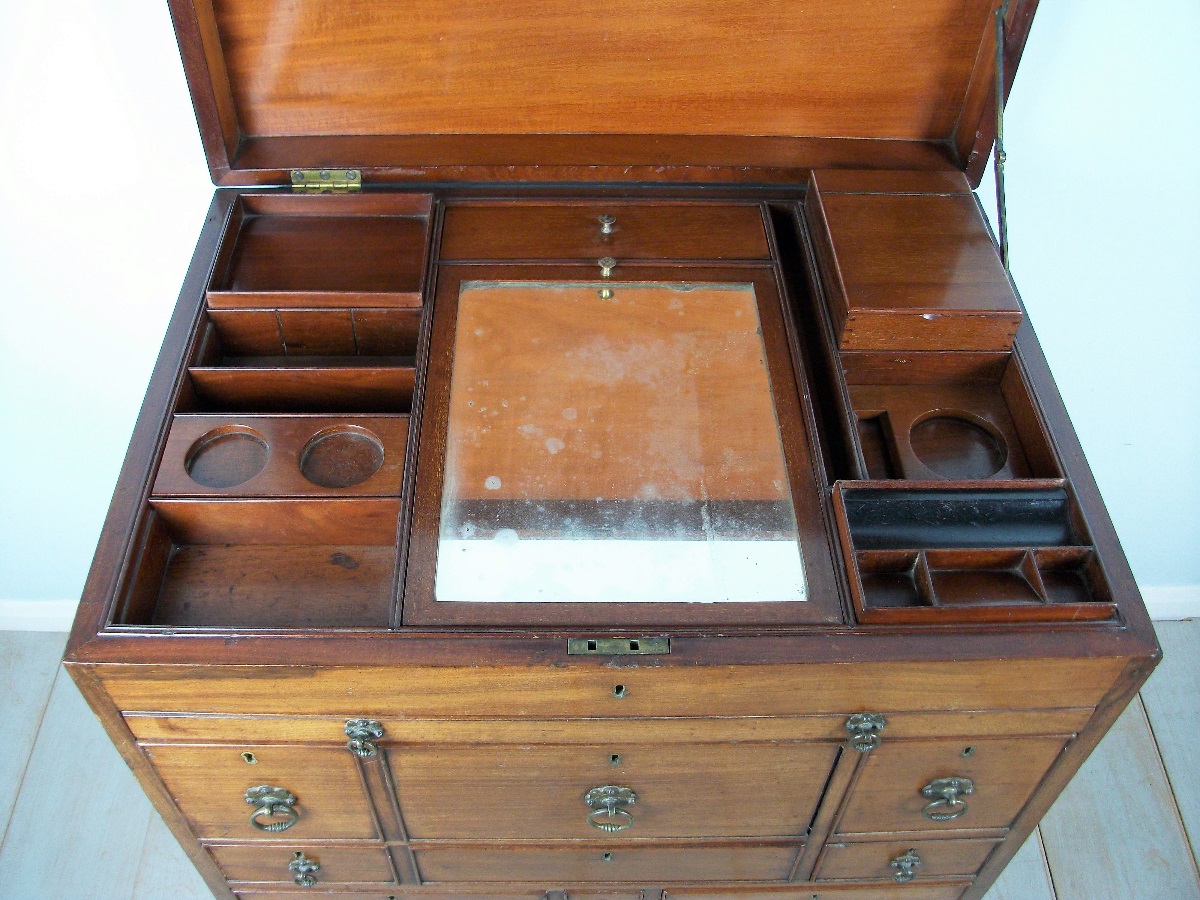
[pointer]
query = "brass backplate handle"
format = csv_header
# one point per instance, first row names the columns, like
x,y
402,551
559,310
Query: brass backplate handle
x,y
607,805
947,794
304,870
363,734
865,730
904,866
274,808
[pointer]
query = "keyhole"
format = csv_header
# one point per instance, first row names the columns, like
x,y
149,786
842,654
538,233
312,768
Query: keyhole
x,y
619,691
298,854
615,759
250,758
968,751
607,857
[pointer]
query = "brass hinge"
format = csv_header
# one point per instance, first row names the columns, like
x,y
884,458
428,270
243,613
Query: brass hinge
x,y
326,181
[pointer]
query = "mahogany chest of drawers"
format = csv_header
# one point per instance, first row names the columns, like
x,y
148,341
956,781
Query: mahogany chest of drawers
x,y
632,475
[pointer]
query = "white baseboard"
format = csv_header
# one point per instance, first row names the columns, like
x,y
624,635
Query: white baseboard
x,y
37,615
1164,602
1172,601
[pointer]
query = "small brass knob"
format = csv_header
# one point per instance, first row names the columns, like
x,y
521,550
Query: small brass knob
x,y
608,224
607,264
904,866
304,870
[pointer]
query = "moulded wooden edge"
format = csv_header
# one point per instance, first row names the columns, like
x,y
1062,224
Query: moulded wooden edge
x,y
270,300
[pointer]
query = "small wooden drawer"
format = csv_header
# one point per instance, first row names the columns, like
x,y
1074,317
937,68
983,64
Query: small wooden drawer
x,y
210,784
709,231
599,864
826,892
677,791
335,865
874,860
898,788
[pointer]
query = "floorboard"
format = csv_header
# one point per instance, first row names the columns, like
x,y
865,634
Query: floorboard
x,y
28,661
1026,877
1114,833
79,823
164,870
1172,699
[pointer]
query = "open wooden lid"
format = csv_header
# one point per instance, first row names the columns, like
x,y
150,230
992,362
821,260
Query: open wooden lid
x,y
696,90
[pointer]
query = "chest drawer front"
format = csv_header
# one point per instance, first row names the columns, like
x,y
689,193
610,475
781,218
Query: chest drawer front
x,y
827,892
538,793
710,231
906,785
861,862
600,864
333,865
210,784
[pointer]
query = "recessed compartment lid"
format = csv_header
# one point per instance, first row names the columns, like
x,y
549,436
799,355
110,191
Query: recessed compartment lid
x,y
676,89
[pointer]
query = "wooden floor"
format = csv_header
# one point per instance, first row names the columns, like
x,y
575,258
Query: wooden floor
x,y
77,826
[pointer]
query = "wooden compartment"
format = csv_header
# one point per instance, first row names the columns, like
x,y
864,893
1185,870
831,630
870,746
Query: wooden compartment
x,y
344,251
306,361
591,230
968,553
954,416
905,271
288,564
282,455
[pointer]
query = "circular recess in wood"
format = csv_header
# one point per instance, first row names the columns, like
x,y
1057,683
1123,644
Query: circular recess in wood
x,y
227,456
958,445
341,456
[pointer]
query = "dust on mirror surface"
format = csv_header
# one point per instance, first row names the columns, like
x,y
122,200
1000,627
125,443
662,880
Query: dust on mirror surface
x,y
614,442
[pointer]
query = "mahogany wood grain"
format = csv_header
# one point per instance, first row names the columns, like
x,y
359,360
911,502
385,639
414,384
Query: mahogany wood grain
x,y
505,732
683,790
304,389
590,865
913,272
887,796
664,69
824,891
870,861
656,231
339,864
573,691
209,784
371,520
286,437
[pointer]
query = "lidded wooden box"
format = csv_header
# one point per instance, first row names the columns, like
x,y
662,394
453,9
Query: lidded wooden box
x,y
599,452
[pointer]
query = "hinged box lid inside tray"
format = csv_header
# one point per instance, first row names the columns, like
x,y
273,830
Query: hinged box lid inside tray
x,y
614,90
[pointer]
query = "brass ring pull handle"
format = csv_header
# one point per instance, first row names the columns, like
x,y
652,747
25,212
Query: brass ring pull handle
x,y
608,808
946,795
304,870
274,808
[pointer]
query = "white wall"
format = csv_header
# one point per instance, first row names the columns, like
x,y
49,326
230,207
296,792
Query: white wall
x,y
96,124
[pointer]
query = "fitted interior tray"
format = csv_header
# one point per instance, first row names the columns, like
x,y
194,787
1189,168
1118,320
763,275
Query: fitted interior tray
x,y
279,564
970,552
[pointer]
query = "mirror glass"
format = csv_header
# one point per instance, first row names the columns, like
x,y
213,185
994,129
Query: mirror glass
x,y
614,442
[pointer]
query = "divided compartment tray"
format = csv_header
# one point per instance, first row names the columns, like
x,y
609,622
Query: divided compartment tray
x,y
268,563
283,456
968,552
